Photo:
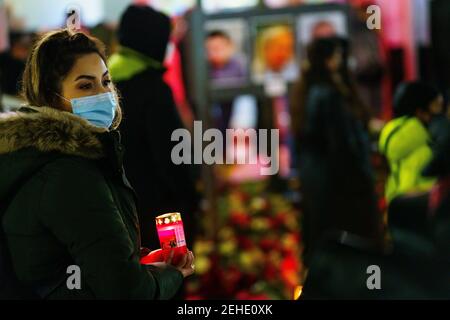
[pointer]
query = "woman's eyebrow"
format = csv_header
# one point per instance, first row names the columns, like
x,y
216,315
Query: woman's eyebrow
x,y
90,77
85,76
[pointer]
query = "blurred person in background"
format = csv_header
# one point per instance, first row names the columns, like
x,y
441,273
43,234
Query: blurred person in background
x,y
106,33
329,124
12,62
419,225
174,75
150,117
64,196
438,126
405,141
416,263
439,207
439,200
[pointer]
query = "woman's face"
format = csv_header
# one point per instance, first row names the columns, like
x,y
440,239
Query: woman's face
x,y
89,76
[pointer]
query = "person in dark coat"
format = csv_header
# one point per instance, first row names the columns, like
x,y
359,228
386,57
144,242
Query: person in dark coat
x,y
150,118
12,62
415,265
65,199
439,202
333,149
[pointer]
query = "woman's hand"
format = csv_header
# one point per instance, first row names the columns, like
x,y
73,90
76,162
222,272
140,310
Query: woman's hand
x,y
144,251
186,265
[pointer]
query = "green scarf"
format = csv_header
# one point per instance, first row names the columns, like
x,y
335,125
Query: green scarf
x,y
126,63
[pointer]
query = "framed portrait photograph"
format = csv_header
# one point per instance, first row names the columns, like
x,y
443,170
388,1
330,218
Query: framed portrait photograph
x,y
274,49
226,49
322,24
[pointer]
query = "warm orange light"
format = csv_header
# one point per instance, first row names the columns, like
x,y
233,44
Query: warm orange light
x,y
298,292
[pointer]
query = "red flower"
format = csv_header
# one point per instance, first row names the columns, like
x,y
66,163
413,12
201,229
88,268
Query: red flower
x,y
279,220
270,271
230,280
290,269
245,243
382,204
267,244
240,219
194,297
245,295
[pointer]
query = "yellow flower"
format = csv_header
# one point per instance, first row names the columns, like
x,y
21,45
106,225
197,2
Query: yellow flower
x,y
202,264
246,261
257,204
257,256
203,247
275,257
289,241
226,233
260,224
227,248
292,222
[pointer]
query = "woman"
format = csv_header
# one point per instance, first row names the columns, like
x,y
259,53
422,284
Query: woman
x,y
405,140
335,171
66,200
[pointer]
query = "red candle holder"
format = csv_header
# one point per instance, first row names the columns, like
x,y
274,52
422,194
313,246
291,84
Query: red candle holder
x,y
171,236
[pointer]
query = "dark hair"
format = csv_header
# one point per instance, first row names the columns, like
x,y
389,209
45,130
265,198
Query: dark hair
x,y
318,54
218,34
315,71
412,96
49,62
145,30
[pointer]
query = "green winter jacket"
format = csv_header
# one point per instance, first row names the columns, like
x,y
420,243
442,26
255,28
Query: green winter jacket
x,y
66,201
405,143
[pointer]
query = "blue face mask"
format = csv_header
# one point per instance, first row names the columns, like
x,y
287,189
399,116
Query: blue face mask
x,y
99,110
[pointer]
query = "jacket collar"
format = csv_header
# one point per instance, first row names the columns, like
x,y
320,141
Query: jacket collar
x,y
50,130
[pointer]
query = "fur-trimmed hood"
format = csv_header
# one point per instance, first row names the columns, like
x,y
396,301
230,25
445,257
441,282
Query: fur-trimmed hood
x,y
33,137
49,130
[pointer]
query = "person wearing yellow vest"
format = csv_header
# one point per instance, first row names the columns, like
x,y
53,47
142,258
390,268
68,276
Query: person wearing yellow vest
x,y
406,142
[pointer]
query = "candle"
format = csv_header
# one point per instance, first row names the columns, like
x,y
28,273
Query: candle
x,y
171,236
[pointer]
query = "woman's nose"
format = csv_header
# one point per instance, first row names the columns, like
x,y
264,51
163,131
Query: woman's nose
x,y
103,89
